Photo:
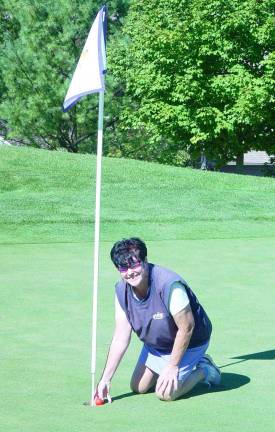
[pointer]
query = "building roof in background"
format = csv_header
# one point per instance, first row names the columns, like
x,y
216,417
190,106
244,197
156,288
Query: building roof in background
x,y
254,158
3,142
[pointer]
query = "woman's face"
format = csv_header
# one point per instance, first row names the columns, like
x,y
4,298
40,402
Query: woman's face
x,y
135,273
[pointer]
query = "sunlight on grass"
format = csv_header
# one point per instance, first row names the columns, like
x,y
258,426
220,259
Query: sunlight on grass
x,y
57,190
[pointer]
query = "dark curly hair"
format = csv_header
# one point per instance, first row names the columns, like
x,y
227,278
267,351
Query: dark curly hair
x,y
123,252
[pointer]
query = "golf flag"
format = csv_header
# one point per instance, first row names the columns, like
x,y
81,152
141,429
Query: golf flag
x,y
89,78
89,73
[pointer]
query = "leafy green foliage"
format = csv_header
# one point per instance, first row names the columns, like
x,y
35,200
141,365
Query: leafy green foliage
x,y
199,76
37,69
185,77
9,28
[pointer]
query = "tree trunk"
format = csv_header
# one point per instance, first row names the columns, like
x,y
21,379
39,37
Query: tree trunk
x,y
240,160
240,163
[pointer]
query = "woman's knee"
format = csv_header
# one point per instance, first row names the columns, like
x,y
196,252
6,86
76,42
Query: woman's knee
x,y
138,387
164,397
143,379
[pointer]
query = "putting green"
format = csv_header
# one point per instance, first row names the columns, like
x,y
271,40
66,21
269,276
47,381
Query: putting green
x,y
45,349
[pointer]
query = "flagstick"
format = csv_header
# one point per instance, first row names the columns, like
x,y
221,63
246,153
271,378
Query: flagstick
x,y
96,239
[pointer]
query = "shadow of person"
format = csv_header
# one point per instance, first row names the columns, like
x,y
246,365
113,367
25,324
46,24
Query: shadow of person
x,y
229,381
115,398
124,395
262,355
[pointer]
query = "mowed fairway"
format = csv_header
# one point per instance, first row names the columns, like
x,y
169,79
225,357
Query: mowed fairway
x,y
217,230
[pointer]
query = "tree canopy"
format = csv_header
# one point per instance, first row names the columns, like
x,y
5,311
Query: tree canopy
x,y
37,68
185,77
199,76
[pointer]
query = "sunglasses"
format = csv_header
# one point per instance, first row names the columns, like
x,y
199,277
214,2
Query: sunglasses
x,y
124,269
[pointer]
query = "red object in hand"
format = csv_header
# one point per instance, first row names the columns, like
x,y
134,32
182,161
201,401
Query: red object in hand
x,y
99,401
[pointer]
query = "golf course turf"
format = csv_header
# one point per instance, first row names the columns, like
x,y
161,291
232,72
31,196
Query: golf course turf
x,y
217,230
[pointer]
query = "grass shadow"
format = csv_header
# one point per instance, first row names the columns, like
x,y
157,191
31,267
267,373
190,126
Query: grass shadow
x,y
230,381
124,395
262,355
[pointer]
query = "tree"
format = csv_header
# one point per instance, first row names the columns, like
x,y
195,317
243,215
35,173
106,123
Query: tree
x,y
37,68
9,27
197,75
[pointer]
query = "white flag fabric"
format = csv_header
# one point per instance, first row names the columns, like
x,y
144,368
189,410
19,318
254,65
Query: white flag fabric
x,y
89,74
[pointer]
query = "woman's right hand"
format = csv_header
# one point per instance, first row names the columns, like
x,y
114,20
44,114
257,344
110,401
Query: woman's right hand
x,y
103,391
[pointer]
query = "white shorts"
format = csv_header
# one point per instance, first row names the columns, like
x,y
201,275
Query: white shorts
x,y
156,361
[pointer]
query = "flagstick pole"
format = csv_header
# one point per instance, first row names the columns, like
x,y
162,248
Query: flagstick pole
x,y
96,240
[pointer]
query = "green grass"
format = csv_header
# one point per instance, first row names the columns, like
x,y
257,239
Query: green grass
x,y
48,196
217,230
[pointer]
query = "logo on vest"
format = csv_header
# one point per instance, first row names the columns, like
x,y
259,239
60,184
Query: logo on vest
x,y
158,316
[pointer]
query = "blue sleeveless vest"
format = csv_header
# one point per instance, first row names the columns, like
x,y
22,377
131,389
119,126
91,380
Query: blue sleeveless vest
x,y
150,318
